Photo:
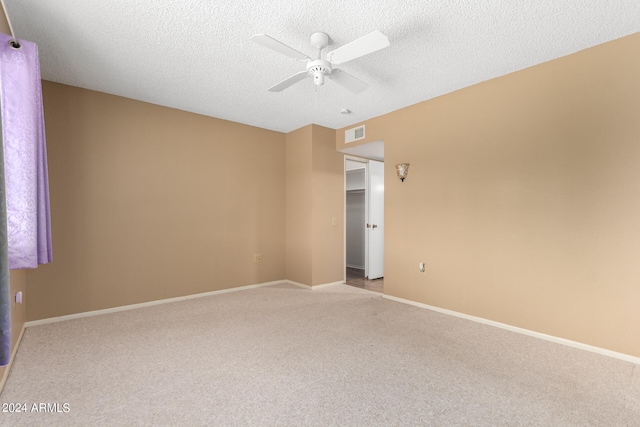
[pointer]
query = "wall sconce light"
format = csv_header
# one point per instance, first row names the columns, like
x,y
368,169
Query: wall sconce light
x,y
403,170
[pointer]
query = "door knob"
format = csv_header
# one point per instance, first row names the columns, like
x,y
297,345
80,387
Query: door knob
x,y
374,226
368,225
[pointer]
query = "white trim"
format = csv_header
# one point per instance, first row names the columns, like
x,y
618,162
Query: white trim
x,y
557,340
7,368
146,304
300,285
326,285
357,267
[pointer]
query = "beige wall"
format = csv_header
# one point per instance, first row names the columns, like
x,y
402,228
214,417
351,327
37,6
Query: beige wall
x,y
4,25
299,205
315,195
523,198
328,203
149,203
18,279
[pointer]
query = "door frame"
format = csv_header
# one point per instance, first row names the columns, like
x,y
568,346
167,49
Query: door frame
x,y
365,162
374,241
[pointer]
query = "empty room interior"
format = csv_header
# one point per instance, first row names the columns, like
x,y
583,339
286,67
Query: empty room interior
x,y
179,174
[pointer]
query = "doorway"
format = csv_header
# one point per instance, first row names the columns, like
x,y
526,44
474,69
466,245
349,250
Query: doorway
x,y
364,223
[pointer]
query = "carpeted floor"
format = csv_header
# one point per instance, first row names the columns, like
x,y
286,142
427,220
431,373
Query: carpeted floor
x,y
281,355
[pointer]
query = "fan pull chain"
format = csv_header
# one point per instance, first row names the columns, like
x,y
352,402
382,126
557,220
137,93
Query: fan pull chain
x,y
14,43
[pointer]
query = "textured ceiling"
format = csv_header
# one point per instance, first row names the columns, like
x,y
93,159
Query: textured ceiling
x,y
196,55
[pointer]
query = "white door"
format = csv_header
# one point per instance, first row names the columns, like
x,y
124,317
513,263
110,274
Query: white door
x,y
374,263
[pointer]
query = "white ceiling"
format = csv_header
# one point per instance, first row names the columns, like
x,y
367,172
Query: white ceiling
x,y
196,55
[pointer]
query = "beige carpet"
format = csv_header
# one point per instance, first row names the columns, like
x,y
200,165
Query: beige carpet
x,y
281,355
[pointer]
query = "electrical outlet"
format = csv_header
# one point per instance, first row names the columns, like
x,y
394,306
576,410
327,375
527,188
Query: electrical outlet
x,y
422,268
257,257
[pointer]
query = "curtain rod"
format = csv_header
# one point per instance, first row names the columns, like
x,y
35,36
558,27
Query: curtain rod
x,y
13,43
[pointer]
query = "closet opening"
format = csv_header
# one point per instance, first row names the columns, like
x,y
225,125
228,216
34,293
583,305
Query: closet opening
x,y
364,223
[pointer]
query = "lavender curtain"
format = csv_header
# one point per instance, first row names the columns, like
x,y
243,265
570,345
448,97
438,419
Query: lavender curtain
x,y
26,227
25,156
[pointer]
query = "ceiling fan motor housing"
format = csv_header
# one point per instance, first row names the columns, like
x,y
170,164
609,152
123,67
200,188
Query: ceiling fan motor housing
x,y
318,69
319,40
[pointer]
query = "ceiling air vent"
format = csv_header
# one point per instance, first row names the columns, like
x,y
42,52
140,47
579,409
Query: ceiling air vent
x,y
354,134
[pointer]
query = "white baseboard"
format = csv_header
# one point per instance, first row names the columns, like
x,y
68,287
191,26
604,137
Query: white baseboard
x,y
316,287
300,285
357,267
563,341
146,304
327,285
3,380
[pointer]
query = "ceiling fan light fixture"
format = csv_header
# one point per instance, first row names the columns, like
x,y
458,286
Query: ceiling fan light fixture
x,y
318,69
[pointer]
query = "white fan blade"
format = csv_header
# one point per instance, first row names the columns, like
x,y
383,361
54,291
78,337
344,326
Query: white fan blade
x,y
289,82
359,47
348,81
274,44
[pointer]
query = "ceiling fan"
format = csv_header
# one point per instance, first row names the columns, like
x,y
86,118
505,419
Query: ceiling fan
x,y
319,68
